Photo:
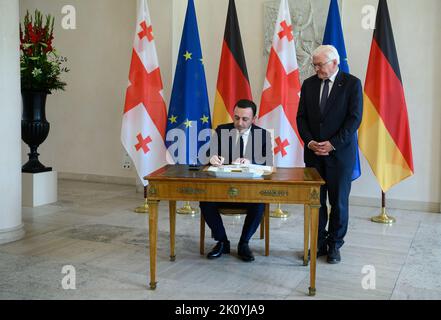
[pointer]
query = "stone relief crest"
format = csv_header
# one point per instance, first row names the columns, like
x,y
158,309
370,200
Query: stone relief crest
x,y
309,19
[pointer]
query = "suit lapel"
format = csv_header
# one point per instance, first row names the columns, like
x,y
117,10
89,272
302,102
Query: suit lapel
x,y
336,88
231,143
248,152
316,95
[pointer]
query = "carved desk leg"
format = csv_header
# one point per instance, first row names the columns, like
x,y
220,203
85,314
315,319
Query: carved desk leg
x,y
172,212
153,232
313,241
306,234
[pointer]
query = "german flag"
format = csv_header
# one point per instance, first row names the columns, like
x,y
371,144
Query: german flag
x,y
384,135
232,81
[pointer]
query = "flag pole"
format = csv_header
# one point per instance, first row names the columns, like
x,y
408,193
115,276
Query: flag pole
x,y
279,213
383,217
187,209
145,207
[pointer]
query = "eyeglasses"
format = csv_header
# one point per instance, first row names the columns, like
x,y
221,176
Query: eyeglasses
x,y
320,65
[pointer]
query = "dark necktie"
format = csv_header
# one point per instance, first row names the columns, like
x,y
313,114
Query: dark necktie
x,y
239,146
325,94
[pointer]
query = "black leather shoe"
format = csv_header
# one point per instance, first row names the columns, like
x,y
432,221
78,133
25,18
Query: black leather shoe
x,y
321,251
333,255
219,248
244,252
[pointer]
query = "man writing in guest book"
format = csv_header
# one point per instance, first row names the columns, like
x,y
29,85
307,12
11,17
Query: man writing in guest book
x,y
240,142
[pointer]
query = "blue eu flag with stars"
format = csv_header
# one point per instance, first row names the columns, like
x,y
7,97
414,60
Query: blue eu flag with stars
x,y
189,121
334,36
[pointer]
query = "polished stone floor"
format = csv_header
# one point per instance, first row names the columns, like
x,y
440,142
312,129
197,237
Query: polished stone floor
x,y
94,229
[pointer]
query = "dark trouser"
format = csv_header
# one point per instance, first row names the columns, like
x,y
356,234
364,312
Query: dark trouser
x,y
337,188
210,211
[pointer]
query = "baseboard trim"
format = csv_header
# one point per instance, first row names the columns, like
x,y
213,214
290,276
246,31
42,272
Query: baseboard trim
x,y
97,178
432,207
12,234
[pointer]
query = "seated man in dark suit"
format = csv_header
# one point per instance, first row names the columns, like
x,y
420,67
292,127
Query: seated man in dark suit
x,y
238,142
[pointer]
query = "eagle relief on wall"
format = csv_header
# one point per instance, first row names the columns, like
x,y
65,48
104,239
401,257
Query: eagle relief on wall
x,y
309,19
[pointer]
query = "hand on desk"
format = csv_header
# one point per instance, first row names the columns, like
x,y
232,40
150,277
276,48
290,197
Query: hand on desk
x,y
217,160
241,161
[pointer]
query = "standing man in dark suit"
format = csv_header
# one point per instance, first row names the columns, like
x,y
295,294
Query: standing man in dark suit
x,y
329,114
240,142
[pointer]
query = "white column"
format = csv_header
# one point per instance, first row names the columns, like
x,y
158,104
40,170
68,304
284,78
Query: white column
x,y
11,226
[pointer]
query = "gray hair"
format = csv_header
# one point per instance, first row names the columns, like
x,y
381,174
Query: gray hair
x,y
329,51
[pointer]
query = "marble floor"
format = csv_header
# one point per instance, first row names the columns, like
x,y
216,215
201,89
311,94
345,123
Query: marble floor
x,y
93,229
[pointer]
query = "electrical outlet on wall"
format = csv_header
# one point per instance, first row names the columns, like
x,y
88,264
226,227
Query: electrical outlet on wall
x,y
127,162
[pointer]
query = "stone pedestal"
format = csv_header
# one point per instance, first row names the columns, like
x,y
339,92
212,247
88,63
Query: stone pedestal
x,y
39,188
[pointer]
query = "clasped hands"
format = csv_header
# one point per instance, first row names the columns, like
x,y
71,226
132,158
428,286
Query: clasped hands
x,y
219,160
321,148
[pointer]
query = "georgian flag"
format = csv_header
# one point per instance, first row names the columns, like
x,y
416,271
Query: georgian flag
x,y
281,94
145,116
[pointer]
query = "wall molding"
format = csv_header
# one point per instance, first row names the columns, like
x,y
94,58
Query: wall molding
x,y
97,178
432,207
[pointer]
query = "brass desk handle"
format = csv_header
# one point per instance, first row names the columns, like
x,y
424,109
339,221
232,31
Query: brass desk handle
x,y
233,192
152,191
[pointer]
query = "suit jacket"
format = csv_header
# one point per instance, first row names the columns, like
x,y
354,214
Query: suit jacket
x,y
258,149
338,123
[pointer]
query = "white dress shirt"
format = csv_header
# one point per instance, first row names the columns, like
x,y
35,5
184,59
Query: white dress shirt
x,y
245,136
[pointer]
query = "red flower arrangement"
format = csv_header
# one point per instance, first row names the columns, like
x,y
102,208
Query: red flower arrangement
x,y
40,64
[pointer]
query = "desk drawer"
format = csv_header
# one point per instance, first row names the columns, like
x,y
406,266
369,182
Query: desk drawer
x,y
234,192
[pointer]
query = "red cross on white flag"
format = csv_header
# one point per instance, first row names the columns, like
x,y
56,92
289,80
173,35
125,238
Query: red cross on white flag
x,y
145,115
281,94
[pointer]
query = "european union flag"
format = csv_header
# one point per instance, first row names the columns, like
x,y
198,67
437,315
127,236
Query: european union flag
x,y
189,121
334,36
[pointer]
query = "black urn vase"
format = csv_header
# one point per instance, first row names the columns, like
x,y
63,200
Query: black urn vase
x,y
34,128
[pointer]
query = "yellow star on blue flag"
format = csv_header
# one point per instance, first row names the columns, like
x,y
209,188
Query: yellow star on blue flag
x,y
173,119
187,123
204,119
187,55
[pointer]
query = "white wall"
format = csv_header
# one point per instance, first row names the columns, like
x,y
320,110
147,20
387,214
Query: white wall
x,y
86,120
417,32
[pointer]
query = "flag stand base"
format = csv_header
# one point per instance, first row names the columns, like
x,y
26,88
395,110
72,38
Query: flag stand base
x,y
143,209
383,218
187,209
279,213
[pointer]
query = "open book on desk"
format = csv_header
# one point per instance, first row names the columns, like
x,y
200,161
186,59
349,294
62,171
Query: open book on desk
x,y
240,171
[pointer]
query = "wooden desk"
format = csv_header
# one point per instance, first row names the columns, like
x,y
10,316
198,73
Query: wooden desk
x,y
286,185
